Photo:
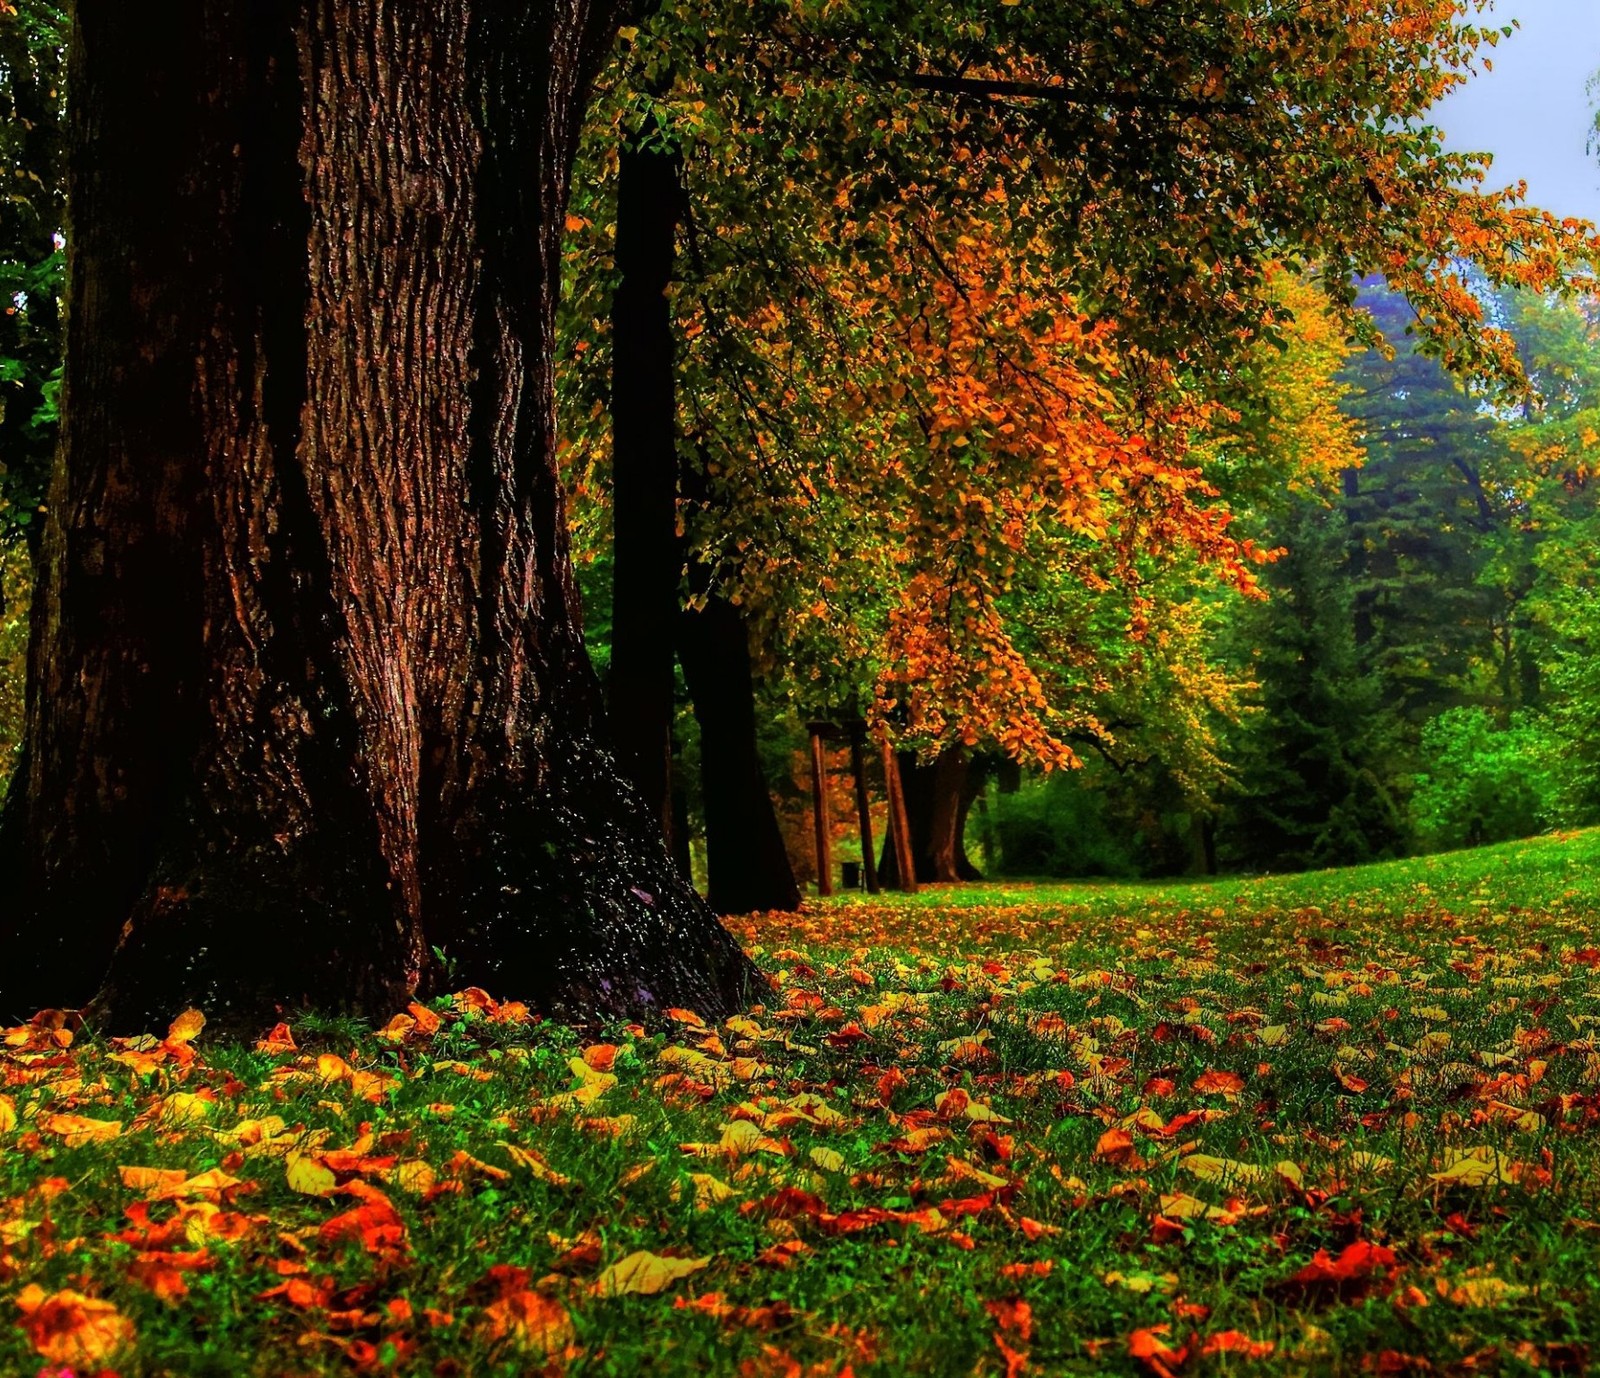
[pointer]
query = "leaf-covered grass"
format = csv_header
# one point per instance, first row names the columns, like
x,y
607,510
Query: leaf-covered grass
x,y
1307,1124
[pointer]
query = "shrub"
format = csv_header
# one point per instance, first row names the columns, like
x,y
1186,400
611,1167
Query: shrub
x,y
1487,783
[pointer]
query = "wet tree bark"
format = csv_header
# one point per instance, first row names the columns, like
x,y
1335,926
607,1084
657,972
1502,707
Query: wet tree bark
x,y
648,569
308,695
747,864
937,802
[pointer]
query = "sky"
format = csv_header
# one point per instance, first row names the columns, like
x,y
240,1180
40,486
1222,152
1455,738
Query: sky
x,y
1532,111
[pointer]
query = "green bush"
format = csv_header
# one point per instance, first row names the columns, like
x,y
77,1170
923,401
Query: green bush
x,y
1067,824
1487,783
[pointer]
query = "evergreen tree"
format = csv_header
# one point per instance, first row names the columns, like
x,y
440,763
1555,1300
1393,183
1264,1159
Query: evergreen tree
x,y
1312,789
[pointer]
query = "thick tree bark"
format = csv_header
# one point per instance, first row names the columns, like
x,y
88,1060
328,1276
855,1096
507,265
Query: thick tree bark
x,y
648,567
937,803
308,693
748,866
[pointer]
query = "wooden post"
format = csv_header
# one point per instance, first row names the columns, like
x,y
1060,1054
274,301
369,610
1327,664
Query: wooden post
x,y
858,768
819,809
899,824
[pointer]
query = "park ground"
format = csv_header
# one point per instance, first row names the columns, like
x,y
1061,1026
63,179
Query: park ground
x,y
1337,1122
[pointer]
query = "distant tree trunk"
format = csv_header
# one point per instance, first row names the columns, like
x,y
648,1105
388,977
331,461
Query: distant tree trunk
x,y
937,802
308,692
747,864
648,566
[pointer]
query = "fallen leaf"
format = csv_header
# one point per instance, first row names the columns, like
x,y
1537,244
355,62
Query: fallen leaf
x,y
645,1273
72,1329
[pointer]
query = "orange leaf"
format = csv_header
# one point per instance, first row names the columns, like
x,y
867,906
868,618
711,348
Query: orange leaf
x,y
1221,1083
71,1329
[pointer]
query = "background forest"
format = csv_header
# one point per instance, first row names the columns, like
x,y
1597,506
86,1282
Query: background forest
x,y
1393,655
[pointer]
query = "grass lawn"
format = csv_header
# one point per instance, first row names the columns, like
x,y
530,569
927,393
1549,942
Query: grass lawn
x,y
1327,1123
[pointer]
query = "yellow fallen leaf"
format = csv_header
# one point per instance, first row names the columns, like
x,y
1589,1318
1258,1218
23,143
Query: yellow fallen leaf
x,y
414,1176
309,1176
1225,1170
535,1163
1142,1282
1486,1291
1475,1167
828,1159
1272,1035
1181,1206
645,1273
709,1191
182,1107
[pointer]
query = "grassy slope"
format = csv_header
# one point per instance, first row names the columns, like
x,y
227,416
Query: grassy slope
x,y
1381,1026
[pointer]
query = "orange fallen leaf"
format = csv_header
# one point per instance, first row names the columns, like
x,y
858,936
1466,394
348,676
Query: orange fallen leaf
x,y
1219,1083
529,1321
72,1329
1154,1352
186,1027
79,1130
1237,1342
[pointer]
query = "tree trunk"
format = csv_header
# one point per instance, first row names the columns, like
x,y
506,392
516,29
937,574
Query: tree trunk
x,y
937,802
648,565
308,696
747,864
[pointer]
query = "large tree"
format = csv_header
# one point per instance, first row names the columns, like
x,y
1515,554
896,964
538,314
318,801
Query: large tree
x,y
308,692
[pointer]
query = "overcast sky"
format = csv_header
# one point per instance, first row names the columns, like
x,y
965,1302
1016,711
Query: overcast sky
x,y
1532,111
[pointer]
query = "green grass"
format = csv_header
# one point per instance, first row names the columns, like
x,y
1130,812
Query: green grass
x,y
1415,1013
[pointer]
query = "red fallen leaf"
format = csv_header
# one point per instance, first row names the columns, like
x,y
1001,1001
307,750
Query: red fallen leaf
x,y
162,1271
996,1146
1015,1320
1039,1268
1219,1083
783,1254
785,1204
375,1223
847,1037
1359,1266
974,1205
1156,1354
1160,1086
301,1292
1013,1315
1064,1080
890,1082
1016,1359
716,1305
1237,1342
1587,956
1353,1084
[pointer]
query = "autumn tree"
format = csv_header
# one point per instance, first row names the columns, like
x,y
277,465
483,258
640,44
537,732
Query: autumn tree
x,y
928,226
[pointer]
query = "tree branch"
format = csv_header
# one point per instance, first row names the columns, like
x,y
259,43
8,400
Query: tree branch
x,y
1067,95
